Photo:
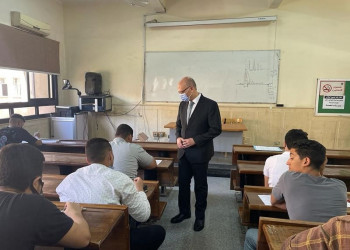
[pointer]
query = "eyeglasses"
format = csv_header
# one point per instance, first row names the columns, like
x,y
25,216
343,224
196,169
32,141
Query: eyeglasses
x,y
183,91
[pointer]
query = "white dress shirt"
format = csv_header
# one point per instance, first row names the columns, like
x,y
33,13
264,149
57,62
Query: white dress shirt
x,y
98,184
275,166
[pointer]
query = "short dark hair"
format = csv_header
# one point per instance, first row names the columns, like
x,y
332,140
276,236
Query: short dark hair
x,y
314,150
96,149
20,164
17,116
294,135
124,131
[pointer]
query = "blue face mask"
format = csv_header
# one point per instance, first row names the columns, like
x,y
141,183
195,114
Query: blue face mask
x,y
184,97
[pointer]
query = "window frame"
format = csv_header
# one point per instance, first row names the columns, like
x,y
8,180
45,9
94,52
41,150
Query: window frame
x,y
35,102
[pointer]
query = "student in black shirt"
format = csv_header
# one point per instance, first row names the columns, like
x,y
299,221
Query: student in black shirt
x,y
27,218
15,133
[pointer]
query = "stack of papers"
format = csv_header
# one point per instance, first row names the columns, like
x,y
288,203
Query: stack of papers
x,y
263,148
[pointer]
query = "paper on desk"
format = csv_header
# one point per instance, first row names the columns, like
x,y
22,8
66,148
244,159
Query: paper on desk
x,y
47,141
348,204
263,148
266,198
158,161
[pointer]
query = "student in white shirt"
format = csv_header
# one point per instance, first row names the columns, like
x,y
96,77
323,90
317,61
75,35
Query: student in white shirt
x,y
99,184
276,165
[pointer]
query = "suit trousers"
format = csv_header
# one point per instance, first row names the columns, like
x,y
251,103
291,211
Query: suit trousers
x,y
199,173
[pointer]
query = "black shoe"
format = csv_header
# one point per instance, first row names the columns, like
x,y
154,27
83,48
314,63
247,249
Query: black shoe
x,y
179,218
198,225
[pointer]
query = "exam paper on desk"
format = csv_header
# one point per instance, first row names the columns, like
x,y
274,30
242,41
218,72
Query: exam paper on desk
x,y
266,198
158,161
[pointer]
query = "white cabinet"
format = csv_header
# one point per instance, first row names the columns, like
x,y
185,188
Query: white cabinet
x,y
70,128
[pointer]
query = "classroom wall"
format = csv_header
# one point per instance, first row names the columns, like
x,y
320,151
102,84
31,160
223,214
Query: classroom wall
x,y
108,37
313,37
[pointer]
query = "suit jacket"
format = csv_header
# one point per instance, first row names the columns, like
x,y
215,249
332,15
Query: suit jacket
x,y
203,126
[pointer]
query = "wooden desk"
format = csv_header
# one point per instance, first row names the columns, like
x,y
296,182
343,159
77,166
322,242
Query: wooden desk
x,y
247,152
160,149
165,170
67,146
109,226
157,207
157,149
254,207
251,173
273,232
231,134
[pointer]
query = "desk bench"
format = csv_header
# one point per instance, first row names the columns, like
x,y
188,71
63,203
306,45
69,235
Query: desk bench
x,y
157,206
253,207
109,226
165,170
273,232
251,173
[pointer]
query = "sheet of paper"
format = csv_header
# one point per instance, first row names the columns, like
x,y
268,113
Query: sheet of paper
x,y
266,198
263,148
158,161
348,204
49,140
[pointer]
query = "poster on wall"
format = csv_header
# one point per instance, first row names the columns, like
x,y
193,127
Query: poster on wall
x,y
333,97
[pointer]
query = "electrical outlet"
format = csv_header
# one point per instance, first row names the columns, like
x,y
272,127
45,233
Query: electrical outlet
x,y
158,134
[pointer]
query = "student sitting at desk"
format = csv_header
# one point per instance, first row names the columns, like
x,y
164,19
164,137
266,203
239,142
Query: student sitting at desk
x,y
276,165
303,191
99,184
128,156
335,234
15,133
27,218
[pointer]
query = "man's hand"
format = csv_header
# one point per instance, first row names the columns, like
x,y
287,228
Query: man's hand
x,y
138,182
187,142
72,209
179,142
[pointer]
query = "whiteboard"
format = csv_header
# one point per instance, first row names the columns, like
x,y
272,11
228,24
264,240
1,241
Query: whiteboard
x,y
249,76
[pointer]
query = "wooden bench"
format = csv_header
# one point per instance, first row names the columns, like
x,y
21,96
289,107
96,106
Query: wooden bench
x,y
109,226
247,152
273,232
165,170
157,207
251,173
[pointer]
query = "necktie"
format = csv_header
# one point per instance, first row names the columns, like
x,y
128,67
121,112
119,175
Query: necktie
x,y
189,109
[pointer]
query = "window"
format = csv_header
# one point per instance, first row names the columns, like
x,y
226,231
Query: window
x,y
31,94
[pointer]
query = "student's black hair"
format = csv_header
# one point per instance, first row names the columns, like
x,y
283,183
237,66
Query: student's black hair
x,y
20,164
314,150
96,149
124,131
294,135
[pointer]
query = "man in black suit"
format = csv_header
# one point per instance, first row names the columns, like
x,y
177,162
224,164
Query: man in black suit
x,y
198,123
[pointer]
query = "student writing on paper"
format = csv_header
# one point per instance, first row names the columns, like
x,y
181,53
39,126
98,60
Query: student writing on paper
x,y
303,190
15,133
99,184
128,156
276,165
27,218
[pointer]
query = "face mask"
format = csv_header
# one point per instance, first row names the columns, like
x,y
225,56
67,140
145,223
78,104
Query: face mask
x,y
184,97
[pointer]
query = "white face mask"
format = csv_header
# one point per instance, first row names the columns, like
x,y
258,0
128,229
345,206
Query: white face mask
x,y
184,97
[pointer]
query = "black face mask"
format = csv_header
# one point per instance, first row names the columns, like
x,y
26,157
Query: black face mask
x,y
34,191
